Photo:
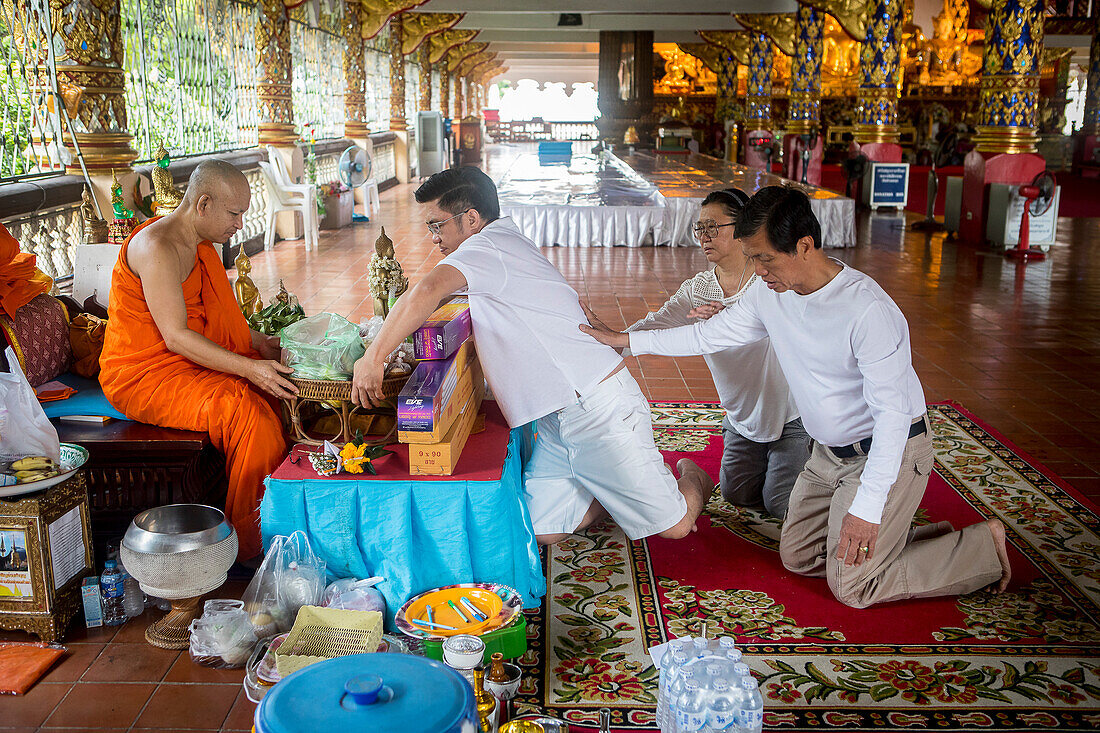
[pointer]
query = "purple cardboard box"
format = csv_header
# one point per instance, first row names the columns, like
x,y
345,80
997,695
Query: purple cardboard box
x,y
429,388
444,331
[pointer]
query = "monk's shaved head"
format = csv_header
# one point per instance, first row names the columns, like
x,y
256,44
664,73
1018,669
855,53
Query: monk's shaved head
x,y
215,178
216,199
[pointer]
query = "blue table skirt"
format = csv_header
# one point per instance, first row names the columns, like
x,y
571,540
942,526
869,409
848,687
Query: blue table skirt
x,y
418,535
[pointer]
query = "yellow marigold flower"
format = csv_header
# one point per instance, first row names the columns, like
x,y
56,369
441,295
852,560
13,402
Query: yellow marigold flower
x,y
354,457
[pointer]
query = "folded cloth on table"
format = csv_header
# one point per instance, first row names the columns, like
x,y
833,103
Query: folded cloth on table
x,y
53,392
23,663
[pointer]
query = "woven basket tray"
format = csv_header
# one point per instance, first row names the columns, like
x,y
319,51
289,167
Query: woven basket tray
x,y
329,390
323,633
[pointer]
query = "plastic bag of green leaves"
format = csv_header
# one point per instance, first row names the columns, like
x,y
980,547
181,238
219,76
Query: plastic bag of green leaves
x,y
324,346
276,316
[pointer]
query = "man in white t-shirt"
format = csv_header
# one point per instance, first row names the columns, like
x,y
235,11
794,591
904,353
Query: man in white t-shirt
x,y
594,453
844,347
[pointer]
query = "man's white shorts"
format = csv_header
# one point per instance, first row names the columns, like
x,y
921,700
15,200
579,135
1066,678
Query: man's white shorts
x,y
601,448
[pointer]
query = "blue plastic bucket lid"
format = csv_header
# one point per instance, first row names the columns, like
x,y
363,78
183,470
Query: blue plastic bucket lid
x,y
370,692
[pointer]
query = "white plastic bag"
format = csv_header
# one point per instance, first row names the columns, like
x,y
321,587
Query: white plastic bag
x,y
24,428
355,595
223,636
291,576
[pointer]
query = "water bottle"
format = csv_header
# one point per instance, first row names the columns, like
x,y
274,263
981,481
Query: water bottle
x,y
733,655
751,715
742,670
133,600
669,669
691,710
702,646
723,708
726,643
675,689
111,586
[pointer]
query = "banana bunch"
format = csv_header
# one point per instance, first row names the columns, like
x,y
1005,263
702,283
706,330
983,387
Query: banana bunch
x,y
34,468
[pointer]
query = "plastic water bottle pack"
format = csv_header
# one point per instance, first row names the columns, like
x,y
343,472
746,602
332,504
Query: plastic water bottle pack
x,y
704,687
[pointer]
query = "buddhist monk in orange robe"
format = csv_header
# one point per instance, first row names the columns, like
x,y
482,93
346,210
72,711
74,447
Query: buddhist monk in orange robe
x,y
178,352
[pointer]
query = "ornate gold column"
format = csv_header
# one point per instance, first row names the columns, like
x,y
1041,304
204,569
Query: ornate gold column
x,y
444,87
355,100
1010,77
804,97
460,97
880,51
86,39
397,76
273,89
758,89
424,56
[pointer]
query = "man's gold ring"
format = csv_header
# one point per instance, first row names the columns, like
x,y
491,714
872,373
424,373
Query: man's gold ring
x,y
865,549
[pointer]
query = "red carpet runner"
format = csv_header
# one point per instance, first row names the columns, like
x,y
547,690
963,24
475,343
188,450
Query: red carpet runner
x,y
1027,659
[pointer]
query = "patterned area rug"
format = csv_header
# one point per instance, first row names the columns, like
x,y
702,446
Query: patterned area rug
x,y
1029,658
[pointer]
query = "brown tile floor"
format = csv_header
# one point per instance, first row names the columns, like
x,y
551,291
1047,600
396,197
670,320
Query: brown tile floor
x,y
1019,346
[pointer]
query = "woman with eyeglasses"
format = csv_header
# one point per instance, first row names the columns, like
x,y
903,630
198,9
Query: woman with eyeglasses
x,y
764,443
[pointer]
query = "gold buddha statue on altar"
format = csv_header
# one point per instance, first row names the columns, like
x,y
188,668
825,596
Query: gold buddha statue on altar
x,y
248,295
165,196
95,227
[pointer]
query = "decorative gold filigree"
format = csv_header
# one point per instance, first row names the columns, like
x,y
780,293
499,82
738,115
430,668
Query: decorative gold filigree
x,y
441,43
424,60
355,98
460,53
780,27
444,86
1010,78
708,54
739,43
472,60
273,88
852,15
397,76
374,14
804,97
417,27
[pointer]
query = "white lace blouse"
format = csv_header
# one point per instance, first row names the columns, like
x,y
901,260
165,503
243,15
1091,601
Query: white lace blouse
x,y
750,384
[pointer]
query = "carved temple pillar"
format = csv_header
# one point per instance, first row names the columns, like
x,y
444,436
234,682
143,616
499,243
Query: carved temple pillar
x,y
879,56
397,76
444,87
86,44
460,97
275,125
758,102
804,116
1009,104
424,58
726,111
273,89
1088,142
355,92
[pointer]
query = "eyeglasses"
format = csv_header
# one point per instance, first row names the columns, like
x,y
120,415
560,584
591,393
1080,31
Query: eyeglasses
x,y
434,226
710,228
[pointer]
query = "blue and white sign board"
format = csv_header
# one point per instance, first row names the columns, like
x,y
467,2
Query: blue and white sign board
x,y
889,185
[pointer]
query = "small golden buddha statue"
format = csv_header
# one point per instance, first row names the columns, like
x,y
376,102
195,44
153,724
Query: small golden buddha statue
x,y
248,295
95,228
165,196
385,275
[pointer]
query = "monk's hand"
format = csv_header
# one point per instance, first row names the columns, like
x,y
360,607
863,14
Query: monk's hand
x,y
267,374
857,540
269,347
366,381
706,310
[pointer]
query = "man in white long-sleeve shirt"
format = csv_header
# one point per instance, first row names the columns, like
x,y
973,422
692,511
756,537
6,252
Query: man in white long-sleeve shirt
x,y
844,347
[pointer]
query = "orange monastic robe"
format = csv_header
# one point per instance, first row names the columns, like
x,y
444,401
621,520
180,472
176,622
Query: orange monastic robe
x,y
147,382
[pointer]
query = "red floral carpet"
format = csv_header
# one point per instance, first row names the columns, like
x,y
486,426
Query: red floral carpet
x,y
1027,659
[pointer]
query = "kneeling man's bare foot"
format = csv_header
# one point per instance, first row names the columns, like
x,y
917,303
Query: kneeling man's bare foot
x,y
997,529
696,487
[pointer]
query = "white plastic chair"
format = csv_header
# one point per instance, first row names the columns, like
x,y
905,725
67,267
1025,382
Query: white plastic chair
x,y
282,198
371,204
